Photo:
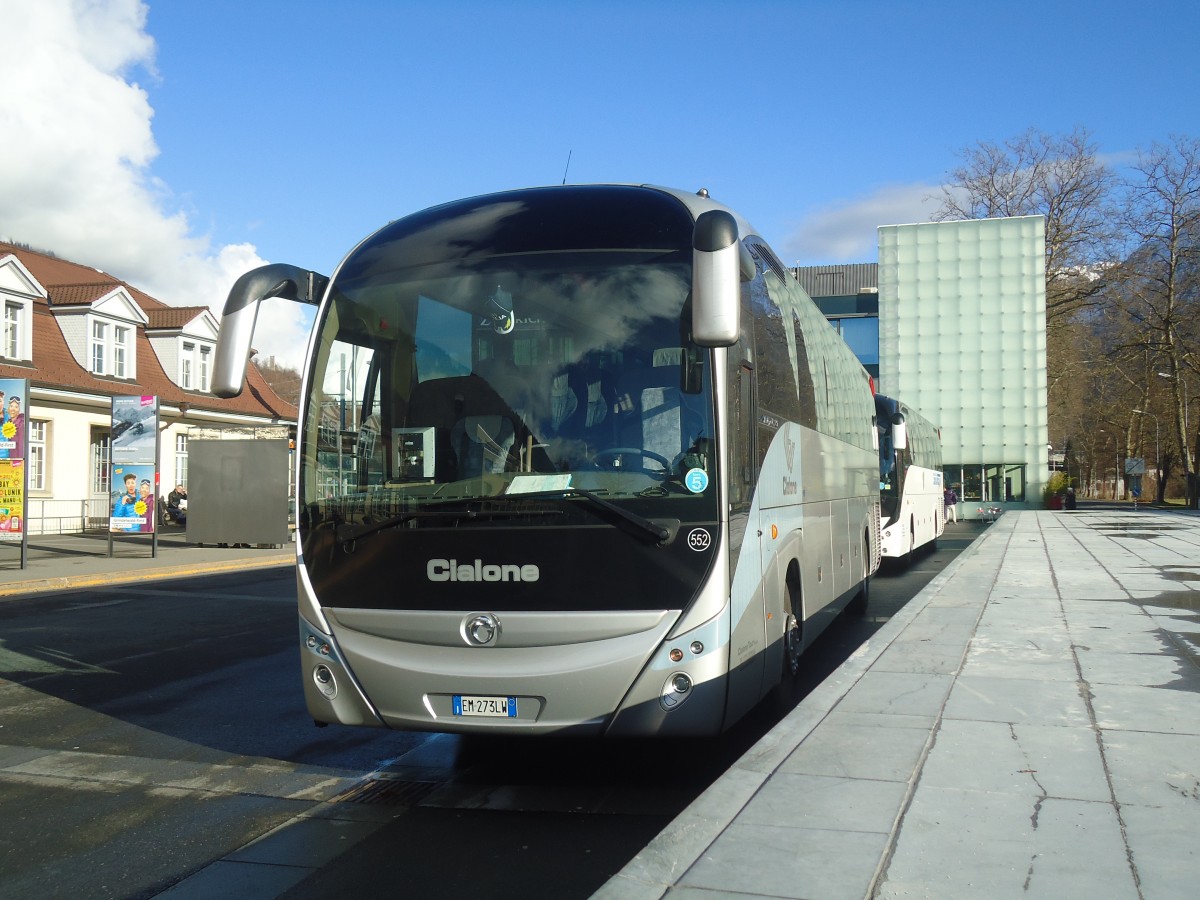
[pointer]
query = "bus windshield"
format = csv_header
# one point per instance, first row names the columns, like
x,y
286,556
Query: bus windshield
x,y
505,389
889,473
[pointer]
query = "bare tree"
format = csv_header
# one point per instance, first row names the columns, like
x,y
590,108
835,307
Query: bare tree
x,y
1161,277
1061,178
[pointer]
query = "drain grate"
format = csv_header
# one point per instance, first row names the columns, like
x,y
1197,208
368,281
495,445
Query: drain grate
x,y
387,792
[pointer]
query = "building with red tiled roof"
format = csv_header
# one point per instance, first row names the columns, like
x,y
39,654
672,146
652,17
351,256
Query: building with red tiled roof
x,y
81,337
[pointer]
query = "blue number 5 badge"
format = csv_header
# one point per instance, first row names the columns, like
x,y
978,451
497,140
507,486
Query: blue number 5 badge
x,y
696,480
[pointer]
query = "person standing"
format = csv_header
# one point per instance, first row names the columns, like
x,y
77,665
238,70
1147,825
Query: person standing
x,y
950,501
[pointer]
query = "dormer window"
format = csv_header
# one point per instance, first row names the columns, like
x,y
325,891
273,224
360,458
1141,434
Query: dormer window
x,y
185,366
111,349
204,368
99,346
194,365
15,341
121,344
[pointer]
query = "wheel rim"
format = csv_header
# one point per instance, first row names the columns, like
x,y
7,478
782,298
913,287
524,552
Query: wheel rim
x,y
791,645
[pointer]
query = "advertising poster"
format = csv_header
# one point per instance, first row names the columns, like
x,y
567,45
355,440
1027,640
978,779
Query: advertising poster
x,y
12,498
14,392
134,461
133,499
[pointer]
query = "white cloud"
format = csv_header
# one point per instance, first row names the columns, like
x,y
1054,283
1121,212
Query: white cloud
x,y
846,232
76,157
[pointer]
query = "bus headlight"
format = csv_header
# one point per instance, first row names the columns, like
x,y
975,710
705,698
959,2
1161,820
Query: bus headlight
x,y
677,689
325,682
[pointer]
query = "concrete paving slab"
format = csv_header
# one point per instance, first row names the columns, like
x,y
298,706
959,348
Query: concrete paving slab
x,y
824,803
1164,850
899,693
879,720
1136,708
789,862
1022,629
1167,668
1032,701
1155,770
987,661
704,893
958,843
922,657
956,624
875,751
1003,757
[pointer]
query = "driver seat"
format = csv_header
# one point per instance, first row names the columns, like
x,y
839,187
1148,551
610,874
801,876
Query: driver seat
x,y
652,409
481,444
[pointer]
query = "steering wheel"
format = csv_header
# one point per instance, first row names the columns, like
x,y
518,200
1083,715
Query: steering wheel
x,y
611,454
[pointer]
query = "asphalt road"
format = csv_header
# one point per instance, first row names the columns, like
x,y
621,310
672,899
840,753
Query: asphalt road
x,y
146,731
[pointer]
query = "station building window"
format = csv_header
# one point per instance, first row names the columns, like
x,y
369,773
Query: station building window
x,y
36,464
101,452
181,459
990,483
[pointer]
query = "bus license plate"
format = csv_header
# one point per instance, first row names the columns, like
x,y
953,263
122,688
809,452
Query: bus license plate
x,y
474,705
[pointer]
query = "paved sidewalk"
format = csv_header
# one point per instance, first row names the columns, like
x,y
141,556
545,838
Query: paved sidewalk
x,y
64,562
1027,726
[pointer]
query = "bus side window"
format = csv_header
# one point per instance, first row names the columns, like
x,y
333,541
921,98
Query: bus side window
x,y
741,464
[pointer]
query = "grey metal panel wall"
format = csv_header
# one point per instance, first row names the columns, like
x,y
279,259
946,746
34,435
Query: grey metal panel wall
x,y
237,492
838,281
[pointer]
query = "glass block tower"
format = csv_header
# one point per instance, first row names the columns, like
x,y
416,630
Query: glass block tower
x,y
962,337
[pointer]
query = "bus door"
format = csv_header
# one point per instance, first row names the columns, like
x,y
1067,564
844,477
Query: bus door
x,y
747,628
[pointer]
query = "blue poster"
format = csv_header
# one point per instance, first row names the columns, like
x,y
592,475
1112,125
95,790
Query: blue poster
x,y
134,464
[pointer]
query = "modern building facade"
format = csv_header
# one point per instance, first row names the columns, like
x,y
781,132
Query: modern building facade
x,y
849,297
962,337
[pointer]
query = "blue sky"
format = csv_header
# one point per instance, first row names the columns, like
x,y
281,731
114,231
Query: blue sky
x,y
235,133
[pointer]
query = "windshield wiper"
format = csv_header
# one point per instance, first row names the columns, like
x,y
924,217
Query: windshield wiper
x,y
654,529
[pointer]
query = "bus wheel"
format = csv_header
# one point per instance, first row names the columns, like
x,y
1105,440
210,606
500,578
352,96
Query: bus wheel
x,y
793,643
858,605
791,647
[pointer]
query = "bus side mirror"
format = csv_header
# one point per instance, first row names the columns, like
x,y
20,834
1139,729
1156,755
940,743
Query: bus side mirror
x,y
899,432
241,310
719,263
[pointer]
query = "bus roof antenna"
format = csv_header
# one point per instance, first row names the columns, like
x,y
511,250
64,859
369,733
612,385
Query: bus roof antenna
x,y
567,166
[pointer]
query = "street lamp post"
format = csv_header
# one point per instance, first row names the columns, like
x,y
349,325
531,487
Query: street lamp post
x,y
1157,454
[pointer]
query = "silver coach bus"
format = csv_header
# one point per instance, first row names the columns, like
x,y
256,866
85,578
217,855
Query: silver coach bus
x,y
911,488
574,459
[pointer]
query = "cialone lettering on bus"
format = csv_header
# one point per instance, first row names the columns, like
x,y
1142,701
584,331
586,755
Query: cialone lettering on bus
x,y
477,570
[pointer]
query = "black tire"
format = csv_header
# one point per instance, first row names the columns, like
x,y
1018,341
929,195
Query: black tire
x,y
793,641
